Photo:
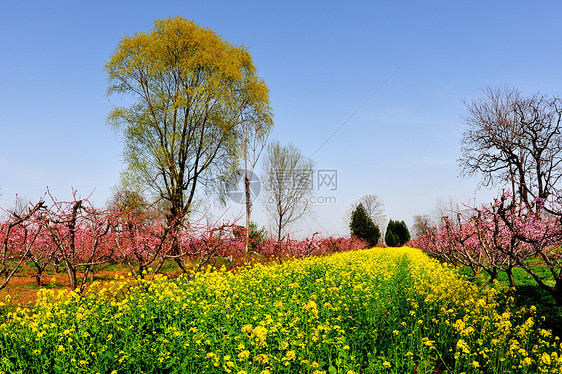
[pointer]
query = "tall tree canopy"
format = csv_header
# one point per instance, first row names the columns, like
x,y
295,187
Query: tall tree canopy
x,y
191,90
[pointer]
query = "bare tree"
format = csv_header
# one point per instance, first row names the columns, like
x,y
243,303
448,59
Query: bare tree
x,y
375,208
422,224
445,208
516,141
21,205
288,184
256,126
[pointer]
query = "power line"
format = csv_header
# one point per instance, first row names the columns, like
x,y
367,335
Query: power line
x,y
362,105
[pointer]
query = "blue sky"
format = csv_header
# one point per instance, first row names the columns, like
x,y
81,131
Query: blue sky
x,y
321,61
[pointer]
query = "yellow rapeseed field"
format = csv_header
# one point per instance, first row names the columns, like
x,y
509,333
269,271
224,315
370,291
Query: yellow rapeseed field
x,y
391,310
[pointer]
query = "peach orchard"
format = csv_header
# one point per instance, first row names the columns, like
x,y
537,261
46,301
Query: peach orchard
x,y
80,237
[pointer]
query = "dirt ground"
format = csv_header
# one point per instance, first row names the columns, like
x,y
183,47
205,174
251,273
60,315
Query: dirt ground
x,y
23,289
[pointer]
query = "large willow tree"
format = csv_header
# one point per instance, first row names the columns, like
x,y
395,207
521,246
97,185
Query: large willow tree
x,y
190,89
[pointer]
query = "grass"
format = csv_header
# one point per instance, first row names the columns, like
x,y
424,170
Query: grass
x,y
36,287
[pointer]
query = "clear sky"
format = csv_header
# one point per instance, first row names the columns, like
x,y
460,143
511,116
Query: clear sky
x,y
322,60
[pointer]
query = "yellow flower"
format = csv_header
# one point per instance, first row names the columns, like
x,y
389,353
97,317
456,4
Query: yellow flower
x,y
386,364
427,342
462,346
312,307
244,355
545,358
260,333
262,358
